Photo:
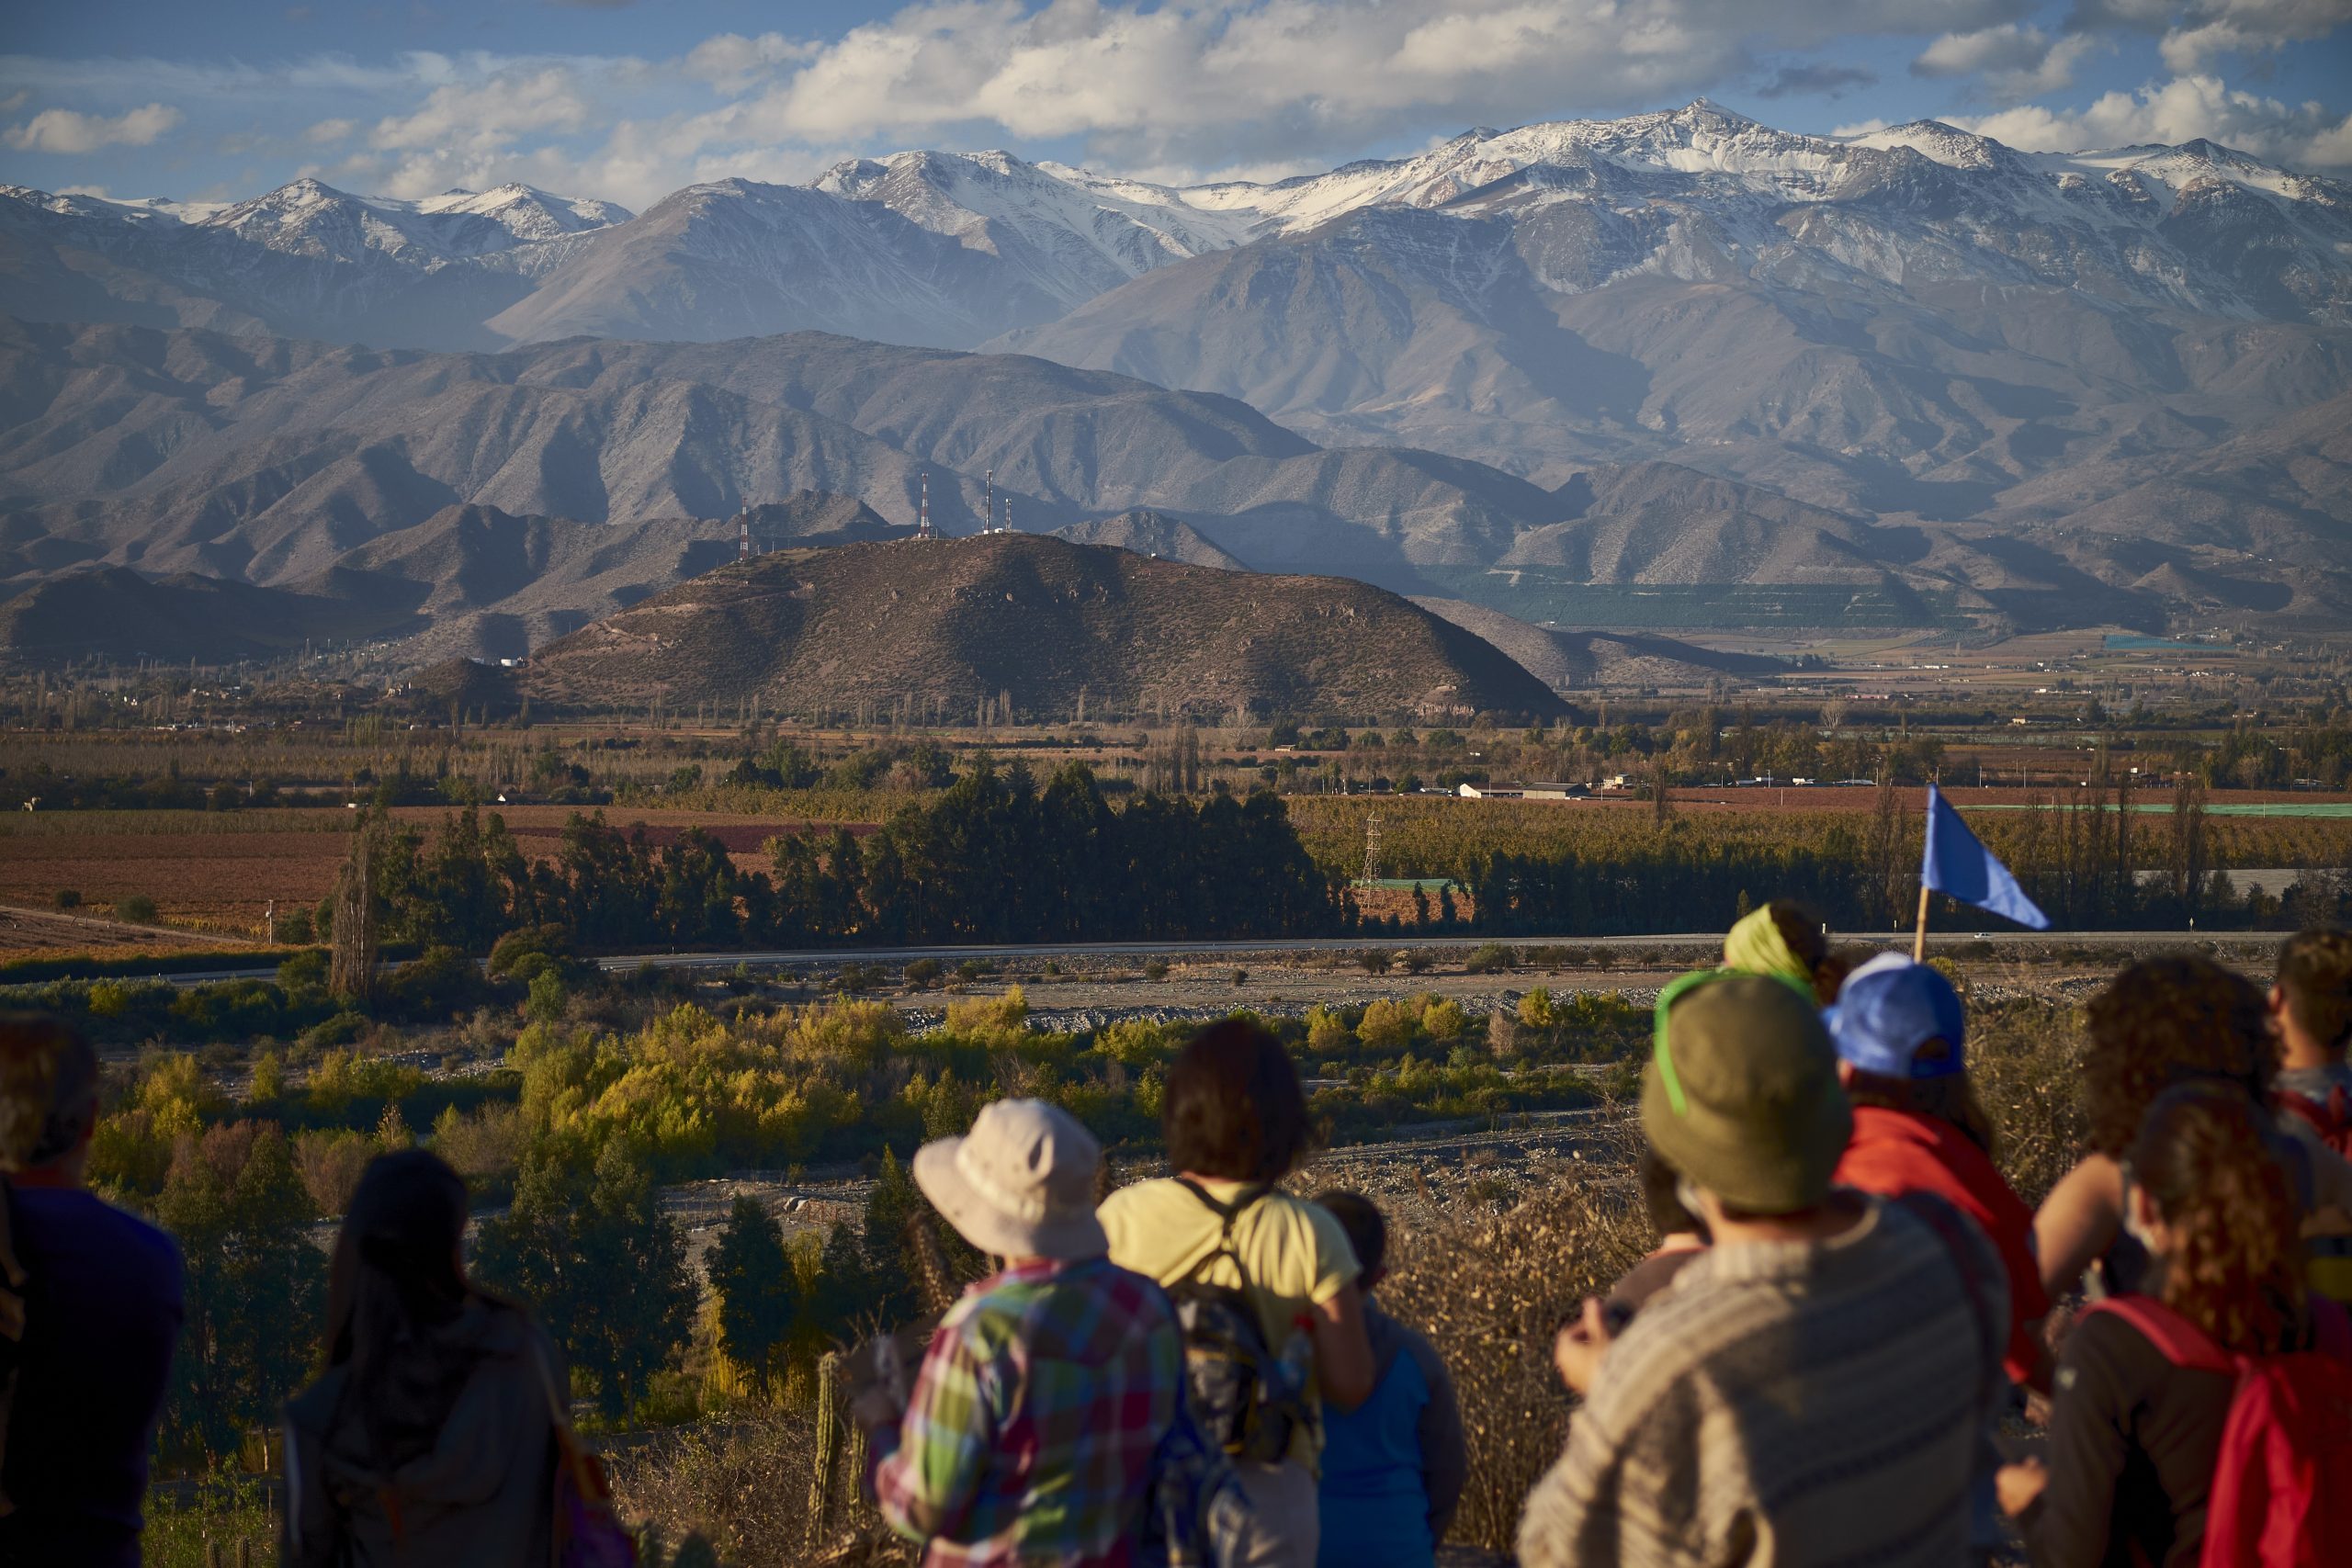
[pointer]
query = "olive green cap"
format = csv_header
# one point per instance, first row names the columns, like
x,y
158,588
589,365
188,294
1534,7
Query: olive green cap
x,y
1741,1094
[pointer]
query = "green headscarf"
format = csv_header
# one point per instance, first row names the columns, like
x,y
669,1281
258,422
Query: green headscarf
x,y
1755,946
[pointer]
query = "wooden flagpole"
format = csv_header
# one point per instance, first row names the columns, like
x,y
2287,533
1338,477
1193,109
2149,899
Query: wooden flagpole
x,y
1919,938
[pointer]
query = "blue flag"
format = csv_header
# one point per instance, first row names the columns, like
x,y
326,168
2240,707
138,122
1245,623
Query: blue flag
x,y
1957,864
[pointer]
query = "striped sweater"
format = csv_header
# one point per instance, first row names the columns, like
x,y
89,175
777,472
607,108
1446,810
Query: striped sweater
x,y
1787,1403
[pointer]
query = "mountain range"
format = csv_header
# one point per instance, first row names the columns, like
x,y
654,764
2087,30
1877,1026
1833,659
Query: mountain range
x,y
269,461
1677,369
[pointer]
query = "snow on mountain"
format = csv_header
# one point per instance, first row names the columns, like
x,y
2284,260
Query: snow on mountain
x,y
1068,234
508,227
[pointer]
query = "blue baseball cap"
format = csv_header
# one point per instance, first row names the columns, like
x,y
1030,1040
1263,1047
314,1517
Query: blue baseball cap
x,y
1887,1010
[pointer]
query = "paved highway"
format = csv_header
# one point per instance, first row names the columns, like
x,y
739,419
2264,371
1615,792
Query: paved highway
x,y
788,958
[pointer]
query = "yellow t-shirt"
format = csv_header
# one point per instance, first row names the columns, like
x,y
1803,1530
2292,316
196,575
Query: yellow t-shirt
x,y
1296,1255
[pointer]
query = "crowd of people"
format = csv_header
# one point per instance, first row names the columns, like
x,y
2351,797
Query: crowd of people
x,y
1854,1343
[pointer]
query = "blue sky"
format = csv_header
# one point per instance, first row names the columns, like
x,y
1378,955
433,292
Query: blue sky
x,y
630,101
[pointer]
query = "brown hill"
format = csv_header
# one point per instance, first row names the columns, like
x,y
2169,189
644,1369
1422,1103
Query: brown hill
x,y
948,624
1150,533
114,613
1569,659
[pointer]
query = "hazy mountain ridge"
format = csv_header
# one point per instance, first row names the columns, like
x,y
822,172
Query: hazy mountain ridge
x,y
269,461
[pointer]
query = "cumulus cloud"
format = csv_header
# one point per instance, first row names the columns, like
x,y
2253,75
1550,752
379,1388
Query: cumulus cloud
x,y
69,130
730,63
547,99
2182,109
1220,81
2013,62
2206,30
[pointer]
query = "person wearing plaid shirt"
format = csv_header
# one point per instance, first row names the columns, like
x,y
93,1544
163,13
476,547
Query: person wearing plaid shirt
x,y
1030,1434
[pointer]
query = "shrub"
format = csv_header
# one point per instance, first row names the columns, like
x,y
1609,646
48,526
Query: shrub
x,y
1386,1026
1418,962
68,899
1535,1010
550,942
1240,978
544,1002
330,1162
1376,960
481,1144
1443,1020
1490,958
296,926
304,975
139,909
1155,969
436,984
923,973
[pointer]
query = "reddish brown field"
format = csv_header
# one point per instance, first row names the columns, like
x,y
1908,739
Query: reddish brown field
x,y
217,873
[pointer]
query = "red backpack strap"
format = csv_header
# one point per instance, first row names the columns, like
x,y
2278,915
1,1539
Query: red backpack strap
x,y
2326,1120
2178,1341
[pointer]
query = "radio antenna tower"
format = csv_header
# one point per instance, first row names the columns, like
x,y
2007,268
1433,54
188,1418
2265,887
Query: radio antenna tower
x,y
743,536
1372,847
923,518
989,512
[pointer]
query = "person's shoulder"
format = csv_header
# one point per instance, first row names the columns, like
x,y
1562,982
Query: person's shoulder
x,y
1145,1202
1418,1348
2107,1351
138,1243
1330,1235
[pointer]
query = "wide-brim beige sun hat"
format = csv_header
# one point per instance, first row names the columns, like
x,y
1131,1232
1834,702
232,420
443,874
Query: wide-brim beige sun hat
x,y
1021,1184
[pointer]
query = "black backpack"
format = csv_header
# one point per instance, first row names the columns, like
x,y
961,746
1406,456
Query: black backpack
x,y
1241,1395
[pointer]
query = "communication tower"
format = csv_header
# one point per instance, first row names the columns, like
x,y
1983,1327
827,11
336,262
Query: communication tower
x,y
1372,847
743,536
922,516
988,512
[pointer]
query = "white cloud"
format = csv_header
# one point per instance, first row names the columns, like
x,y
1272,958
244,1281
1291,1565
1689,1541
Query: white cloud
x,y
550,98
68,131
1220,81
2182,109
2014,62
729,62
328,131
2210,28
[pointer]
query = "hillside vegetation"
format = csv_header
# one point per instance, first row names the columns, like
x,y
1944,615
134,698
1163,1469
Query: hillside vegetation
x,y
1034,625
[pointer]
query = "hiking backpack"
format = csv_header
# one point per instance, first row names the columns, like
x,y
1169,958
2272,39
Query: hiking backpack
x,y
2284,1468
2330,1118
1243,1397
2328,1251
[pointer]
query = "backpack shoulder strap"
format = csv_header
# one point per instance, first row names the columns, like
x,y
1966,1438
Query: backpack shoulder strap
x,y
2178,1341
1953,1231
2300,1105
1228,1214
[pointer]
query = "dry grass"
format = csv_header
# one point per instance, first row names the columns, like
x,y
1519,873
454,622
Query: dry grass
x,y
746,1486
1490,1291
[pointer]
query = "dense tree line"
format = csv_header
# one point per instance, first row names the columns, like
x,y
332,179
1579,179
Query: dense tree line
x,y
995,858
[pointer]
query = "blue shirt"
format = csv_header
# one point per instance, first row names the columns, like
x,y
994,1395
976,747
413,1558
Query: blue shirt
x,y
1393,1466
102,1319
